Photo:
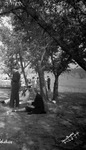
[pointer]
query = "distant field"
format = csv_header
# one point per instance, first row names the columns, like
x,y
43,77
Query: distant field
x,y
69,83
5,83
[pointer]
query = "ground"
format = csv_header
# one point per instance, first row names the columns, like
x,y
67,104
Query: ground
x,y
45,131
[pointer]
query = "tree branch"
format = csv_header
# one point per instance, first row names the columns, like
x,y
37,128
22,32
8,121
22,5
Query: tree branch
x,y
11,10
18,17
43,55
26,65
52,33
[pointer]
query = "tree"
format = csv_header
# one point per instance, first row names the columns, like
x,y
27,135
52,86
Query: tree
x,y
8,56
68,22
14,52
18,46
58,63
38,57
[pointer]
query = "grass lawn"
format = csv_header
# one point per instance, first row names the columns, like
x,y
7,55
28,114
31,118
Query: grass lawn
x,y
45,131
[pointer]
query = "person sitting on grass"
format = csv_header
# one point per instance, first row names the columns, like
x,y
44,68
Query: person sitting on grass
x,y
37,107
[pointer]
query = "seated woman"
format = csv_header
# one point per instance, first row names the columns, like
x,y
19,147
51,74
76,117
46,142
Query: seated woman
x,y
37,107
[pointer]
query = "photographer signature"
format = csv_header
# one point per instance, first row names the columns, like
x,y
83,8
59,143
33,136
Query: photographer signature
x,y
5,141
70,137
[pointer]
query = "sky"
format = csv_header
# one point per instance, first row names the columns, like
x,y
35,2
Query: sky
x,y
7,22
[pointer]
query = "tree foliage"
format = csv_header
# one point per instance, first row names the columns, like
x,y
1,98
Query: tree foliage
x,y
64,21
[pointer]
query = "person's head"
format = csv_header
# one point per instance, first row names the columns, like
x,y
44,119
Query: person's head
x,y
15,69
36,90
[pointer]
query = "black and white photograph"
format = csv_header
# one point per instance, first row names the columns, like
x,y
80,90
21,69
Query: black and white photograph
x,y
42,75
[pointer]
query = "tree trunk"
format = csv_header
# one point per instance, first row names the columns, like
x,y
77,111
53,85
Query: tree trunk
x,y
23,70
43,89
55,88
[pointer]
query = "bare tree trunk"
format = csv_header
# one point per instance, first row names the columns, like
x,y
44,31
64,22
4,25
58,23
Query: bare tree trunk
x,y
43,89
23,70
55,88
